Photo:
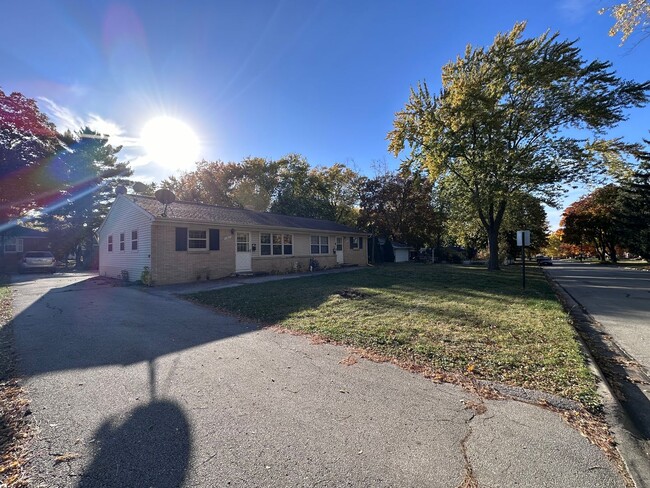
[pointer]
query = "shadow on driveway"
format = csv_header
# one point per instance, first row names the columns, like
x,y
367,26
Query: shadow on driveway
x,y
150,448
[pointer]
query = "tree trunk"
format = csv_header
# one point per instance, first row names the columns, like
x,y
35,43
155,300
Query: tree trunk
x,y
612,253
493,239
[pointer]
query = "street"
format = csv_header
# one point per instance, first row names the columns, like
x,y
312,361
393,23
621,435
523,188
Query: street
x,y
618,298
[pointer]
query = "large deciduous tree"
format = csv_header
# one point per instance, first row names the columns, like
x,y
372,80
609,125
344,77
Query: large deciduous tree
x,y
593,220
630,16
497,125
28,140
400,207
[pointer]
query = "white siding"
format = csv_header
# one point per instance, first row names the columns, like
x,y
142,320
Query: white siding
x,y
125,217
401,255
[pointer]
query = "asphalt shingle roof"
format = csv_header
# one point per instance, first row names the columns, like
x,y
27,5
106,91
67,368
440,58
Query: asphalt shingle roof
x,y
20,231
233,216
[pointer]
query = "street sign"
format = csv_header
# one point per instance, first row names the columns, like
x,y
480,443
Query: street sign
x,y
523,238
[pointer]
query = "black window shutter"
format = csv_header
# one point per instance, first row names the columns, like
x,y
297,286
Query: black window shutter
x,y
214,239
181,238
351,238
360,242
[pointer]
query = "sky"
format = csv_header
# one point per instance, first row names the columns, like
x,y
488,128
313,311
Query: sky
x,y
239,78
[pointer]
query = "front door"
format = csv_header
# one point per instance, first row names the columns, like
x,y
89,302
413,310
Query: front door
x,y
243,256
339,250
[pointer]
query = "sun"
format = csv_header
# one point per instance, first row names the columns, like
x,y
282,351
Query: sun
x,y
170,142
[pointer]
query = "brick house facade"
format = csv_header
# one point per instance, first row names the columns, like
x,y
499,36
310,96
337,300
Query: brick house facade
x,y
193,242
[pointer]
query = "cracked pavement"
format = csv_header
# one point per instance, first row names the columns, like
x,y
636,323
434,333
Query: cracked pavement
x,y
139,389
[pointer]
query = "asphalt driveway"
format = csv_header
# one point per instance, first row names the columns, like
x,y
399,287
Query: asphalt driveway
x,y
136,389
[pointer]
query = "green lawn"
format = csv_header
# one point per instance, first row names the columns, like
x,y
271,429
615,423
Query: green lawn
x,y
452,319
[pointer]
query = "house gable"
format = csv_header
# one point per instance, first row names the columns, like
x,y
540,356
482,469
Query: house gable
x,y
125,240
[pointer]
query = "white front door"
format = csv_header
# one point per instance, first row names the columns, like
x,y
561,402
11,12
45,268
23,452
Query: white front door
x,y
339,250
243,256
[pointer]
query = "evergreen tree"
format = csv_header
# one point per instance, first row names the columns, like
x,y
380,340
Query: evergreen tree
x,y
634,208
91,172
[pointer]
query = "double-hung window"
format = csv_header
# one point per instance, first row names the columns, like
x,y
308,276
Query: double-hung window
x,y
320,245
134,240
276,244
122,241
110,243
197,240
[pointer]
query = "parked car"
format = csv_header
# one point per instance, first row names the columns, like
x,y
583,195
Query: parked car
x,y
38,261
544,261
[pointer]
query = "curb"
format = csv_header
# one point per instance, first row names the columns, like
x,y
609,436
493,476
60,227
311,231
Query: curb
x,y
628,445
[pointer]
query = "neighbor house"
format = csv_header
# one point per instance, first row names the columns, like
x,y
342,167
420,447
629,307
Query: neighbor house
x,y
18,240
184,242
402,252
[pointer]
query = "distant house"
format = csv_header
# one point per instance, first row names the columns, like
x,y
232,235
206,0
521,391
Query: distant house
x,y
17,240
401,251
191,241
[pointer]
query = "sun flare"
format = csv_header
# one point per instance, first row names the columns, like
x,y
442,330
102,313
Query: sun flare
x,y
170,142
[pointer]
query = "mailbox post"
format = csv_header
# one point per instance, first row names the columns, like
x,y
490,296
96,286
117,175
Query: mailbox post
x,y
523,240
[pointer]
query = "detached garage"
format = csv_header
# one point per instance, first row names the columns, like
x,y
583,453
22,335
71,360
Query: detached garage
x,y
183,242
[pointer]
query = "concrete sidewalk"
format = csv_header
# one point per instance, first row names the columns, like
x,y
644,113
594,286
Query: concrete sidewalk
x,y
188,288
136,389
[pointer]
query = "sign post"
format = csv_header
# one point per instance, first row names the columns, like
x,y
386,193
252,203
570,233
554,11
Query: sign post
x,y
523,240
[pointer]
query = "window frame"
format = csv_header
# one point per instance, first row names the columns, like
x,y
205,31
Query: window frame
x,y
191,239
355,243
323,243
13,245
134,241
122,241
110,243
276,240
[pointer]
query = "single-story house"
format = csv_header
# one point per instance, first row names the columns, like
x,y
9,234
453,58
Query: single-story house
x,y
18,240
184,242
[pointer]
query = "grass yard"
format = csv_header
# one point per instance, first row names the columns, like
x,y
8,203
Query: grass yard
x,y
452,319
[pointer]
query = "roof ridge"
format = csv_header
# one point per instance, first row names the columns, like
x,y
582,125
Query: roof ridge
x,y
265,212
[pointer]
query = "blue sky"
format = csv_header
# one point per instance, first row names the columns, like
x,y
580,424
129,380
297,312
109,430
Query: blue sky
x,y
266,78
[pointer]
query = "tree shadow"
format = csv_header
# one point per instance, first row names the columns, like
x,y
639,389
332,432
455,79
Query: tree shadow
x,y
150,448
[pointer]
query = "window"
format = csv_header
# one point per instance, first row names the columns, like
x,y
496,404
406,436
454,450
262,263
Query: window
x,y
265,244
134,240
339,243
242,242
320,245
110,243
356,242
197,239
122,241
276,244
287,239
13,244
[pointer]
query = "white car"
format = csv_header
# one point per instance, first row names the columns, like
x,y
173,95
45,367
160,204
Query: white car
x,y
38,261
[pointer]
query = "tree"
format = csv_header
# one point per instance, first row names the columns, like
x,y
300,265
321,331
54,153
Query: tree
x,y
27,142
634,208
629,16
525,212
400,208
593,219
498,124
89,172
